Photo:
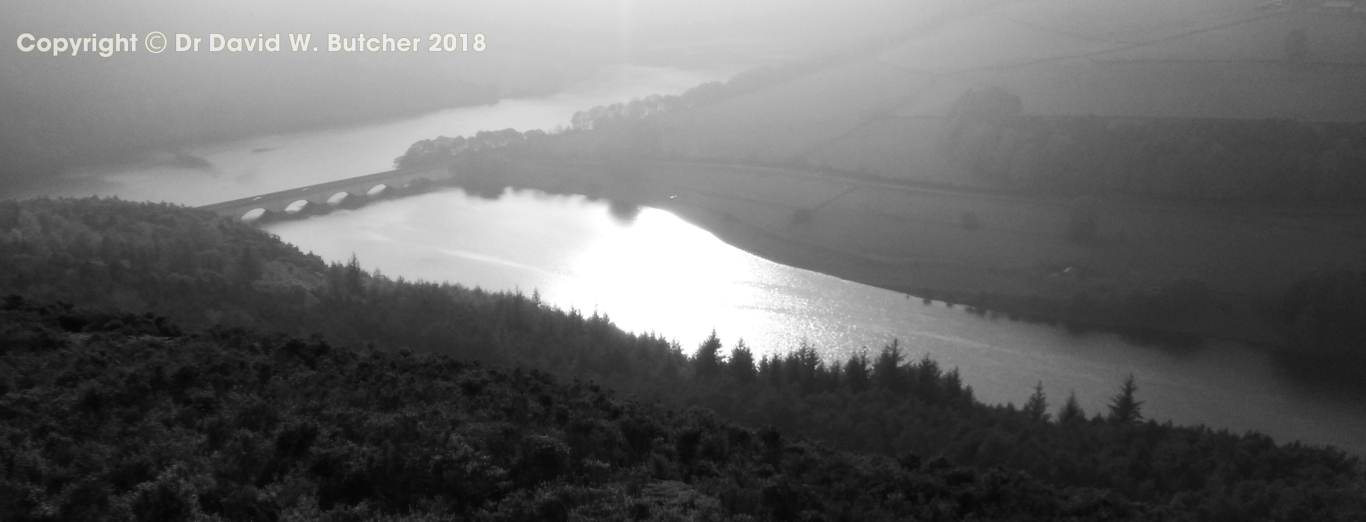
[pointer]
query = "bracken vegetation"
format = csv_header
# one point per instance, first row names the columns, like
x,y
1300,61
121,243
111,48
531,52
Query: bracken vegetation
x,y
124,418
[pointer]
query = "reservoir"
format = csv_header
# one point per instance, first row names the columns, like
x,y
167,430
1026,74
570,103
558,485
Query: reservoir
x,y
654,272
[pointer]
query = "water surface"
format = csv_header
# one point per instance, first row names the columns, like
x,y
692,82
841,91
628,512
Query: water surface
x,y
658,273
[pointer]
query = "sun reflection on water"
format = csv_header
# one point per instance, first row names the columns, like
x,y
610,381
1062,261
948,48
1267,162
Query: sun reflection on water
x,y
657,273
661,272
650,272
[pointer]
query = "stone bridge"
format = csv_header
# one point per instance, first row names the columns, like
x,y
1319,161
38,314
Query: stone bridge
x,y
321,197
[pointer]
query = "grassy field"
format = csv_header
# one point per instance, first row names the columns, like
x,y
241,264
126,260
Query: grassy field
x,y
1208,60
790,119
896,148
1165,89
988,41
1129,22
1330,37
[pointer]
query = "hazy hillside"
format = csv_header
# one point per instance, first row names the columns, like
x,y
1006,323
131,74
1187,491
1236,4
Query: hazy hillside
x,y
1063,58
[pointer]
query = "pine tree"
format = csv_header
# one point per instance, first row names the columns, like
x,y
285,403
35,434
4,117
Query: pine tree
x,y
742,363
886,370
1071,412
927,378
1124,407
953,386
1037,407
856,372
771,370
353,275
707,360
805,366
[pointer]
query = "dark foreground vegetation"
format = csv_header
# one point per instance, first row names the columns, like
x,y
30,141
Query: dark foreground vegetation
x,y
349,421
124,418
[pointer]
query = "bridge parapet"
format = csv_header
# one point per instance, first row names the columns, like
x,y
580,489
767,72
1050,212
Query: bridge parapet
x,y
345,193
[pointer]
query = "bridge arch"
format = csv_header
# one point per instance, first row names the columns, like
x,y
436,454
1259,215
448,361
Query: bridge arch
x,y
340,199
256,214
300,207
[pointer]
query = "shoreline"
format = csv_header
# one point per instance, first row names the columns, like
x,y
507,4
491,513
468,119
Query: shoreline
x,y
851,266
